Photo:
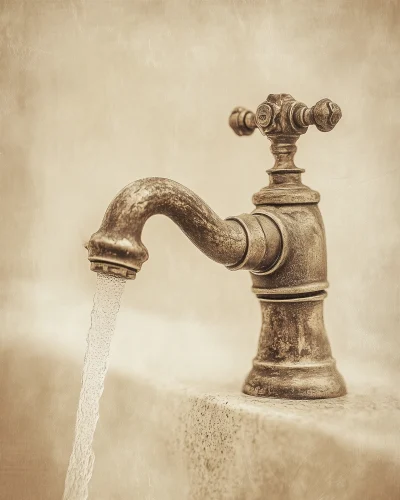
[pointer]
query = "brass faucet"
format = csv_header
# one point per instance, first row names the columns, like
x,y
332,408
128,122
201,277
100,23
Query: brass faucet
x,y
281,243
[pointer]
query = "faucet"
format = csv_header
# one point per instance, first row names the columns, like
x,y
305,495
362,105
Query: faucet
x,y
281,243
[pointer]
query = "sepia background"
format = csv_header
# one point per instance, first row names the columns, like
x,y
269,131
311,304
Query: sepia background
x,y
95,94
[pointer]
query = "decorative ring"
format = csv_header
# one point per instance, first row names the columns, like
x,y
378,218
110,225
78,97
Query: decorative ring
x,y
284,237
256,243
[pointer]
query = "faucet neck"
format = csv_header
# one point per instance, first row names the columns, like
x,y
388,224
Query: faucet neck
x,y
284,148
285,184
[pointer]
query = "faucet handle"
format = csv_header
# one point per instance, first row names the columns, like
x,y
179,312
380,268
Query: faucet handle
x,y
283,120
282,115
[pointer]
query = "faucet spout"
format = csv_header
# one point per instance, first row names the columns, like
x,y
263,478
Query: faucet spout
x,y
116,248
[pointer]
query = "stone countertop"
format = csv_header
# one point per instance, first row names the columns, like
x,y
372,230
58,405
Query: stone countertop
x,y
232,446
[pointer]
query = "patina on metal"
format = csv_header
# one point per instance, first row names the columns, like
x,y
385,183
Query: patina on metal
x,y
282,244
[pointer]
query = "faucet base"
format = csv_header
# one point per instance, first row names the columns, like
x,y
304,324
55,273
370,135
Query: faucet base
x,y
295,381
294,358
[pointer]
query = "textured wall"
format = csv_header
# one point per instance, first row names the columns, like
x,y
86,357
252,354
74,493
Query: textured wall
x,y
95,94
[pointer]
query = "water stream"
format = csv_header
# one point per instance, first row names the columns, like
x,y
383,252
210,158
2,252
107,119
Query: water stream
x,y
104,316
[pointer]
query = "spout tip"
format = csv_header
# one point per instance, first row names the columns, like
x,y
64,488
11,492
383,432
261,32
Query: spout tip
x,y
113,270
109,254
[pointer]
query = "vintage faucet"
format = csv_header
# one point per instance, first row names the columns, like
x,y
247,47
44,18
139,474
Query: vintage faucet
x,y
281,243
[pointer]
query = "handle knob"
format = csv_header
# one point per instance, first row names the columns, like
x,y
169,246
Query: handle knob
x,y
325,114
242,121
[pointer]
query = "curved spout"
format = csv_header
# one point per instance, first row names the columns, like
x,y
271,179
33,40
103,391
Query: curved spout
x,y
238,243
118,241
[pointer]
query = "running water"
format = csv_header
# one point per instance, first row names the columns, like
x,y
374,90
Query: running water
x,y
104,315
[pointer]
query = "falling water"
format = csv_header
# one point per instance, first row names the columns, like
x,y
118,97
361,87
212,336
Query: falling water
x,y
104,315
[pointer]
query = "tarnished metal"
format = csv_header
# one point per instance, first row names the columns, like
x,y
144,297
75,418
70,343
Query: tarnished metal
x,y
281,243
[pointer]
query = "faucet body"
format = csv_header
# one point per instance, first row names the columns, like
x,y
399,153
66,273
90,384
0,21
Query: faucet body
x,y
282,244
294,358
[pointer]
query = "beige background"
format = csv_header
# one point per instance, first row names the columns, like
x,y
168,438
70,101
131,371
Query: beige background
x,y
95,94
